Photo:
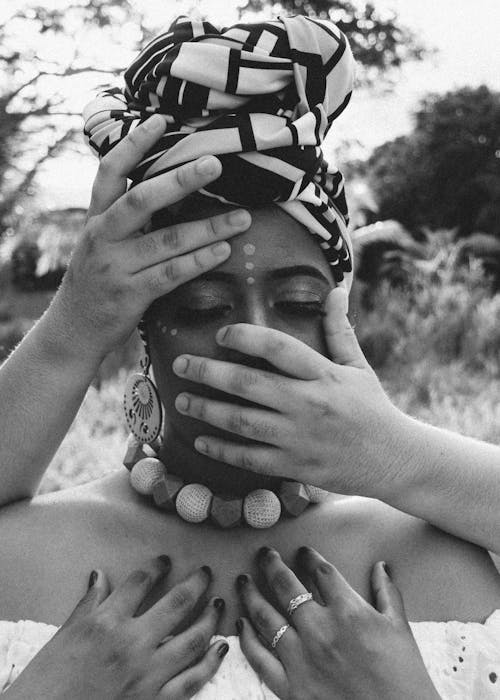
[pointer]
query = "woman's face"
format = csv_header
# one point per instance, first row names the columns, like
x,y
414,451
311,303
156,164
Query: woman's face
x,y
276,276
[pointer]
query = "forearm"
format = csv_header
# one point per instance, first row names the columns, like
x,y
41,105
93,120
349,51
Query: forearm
x,y
449,480
42,385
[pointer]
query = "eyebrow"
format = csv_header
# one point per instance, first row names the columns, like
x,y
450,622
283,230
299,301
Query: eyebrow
x,y
277,274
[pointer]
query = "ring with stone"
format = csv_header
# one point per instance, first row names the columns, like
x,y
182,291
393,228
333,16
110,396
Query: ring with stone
x,y
298,601
278,635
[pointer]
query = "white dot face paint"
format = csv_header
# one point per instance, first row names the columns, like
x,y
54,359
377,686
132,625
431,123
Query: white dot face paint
x,y
250,280
249,265
173,331
163,329
249,249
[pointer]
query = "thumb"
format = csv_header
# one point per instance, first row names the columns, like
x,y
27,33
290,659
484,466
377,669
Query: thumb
x,y
97,591
340,338
388,599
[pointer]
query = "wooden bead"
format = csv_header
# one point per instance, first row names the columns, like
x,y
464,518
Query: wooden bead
x,y
145,473
294,497
165,491
134,452
193,503
261,509
226,512
316,494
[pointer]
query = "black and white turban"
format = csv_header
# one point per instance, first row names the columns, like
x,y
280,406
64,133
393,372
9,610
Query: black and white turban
x,y
261,97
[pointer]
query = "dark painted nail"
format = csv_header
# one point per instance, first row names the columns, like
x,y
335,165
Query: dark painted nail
x,y
386,569
165,560
303,551
239,625
93,578
207,570
264,552
222,650
219,604
242,580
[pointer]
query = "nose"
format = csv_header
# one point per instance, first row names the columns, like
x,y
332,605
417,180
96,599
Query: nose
x,y
255,314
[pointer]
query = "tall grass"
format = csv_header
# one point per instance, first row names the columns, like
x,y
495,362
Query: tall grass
x,y
435,346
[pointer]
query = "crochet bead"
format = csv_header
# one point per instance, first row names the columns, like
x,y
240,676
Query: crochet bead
x,y
193,503
165,491
226,512
316,494
294,497
145,474
261,508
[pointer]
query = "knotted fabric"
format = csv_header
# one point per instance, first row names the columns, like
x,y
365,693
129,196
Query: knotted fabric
x,y
259,96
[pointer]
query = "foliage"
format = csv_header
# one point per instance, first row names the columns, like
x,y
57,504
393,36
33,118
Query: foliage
x,y
446,173
45,51
378,41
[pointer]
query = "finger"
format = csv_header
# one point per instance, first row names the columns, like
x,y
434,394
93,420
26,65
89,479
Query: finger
x,y
190,682
340,338
163,244
285,586
111,179
127,597
255,385
286,353
175,606
186,648
387,597
266,619
331,585
253,423
265,664
163,278
97,591
261,460
134,209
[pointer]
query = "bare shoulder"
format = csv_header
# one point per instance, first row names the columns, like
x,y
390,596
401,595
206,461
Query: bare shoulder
x,y
441,576
49,545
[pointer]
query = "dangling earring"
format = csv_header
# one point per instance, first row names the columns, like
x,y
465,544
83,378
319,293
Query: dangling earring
x,y
141,401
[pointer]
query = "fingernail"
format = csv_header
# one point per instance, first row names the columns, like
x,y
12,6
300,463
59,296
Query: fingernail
x,y
303,551
207,570
221,249
220,336
264,552
200,445
386,569
239,625
208,165
165,560
240,217
219,604
93,578
242,580
222,650
182,402
155,122
180,365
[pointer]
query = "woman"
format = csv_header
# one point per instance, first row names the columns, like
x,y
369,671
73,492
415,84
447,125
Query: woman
x,y
108,524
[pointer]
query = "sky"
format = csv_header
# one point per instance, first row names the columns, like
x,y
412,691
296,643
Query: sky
x,y
464,34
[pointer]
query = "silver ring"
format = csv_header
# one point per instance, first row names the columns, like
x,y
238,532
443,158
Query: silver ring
x,y
298,601
278,635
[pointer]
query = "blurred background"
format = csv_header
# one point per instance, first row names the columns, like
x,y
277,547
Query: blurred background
x,y
419,145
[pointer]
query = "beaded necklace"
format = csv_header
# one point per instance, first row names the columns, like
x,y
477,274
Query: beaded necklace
x,y
196,503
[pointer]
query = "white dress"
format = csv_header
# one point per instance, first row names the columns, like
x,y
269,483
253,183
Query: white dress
x,y
463,659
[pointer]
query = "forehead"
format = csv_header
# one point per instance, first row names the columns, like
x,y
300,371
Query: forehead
x,y
274,239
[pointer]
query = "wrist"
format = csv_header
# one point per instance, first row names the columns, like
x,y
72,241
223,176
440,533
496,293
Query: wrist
x,y
403,466
58,339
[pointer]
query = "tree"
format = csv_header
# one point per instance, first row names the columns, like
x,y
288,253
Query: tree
x,y
378,41
41,53
446,173
44,51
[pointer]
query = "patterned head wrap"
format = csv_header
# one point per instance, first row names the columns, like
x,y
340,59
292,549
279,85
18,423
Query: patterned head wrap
x,y
261,97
